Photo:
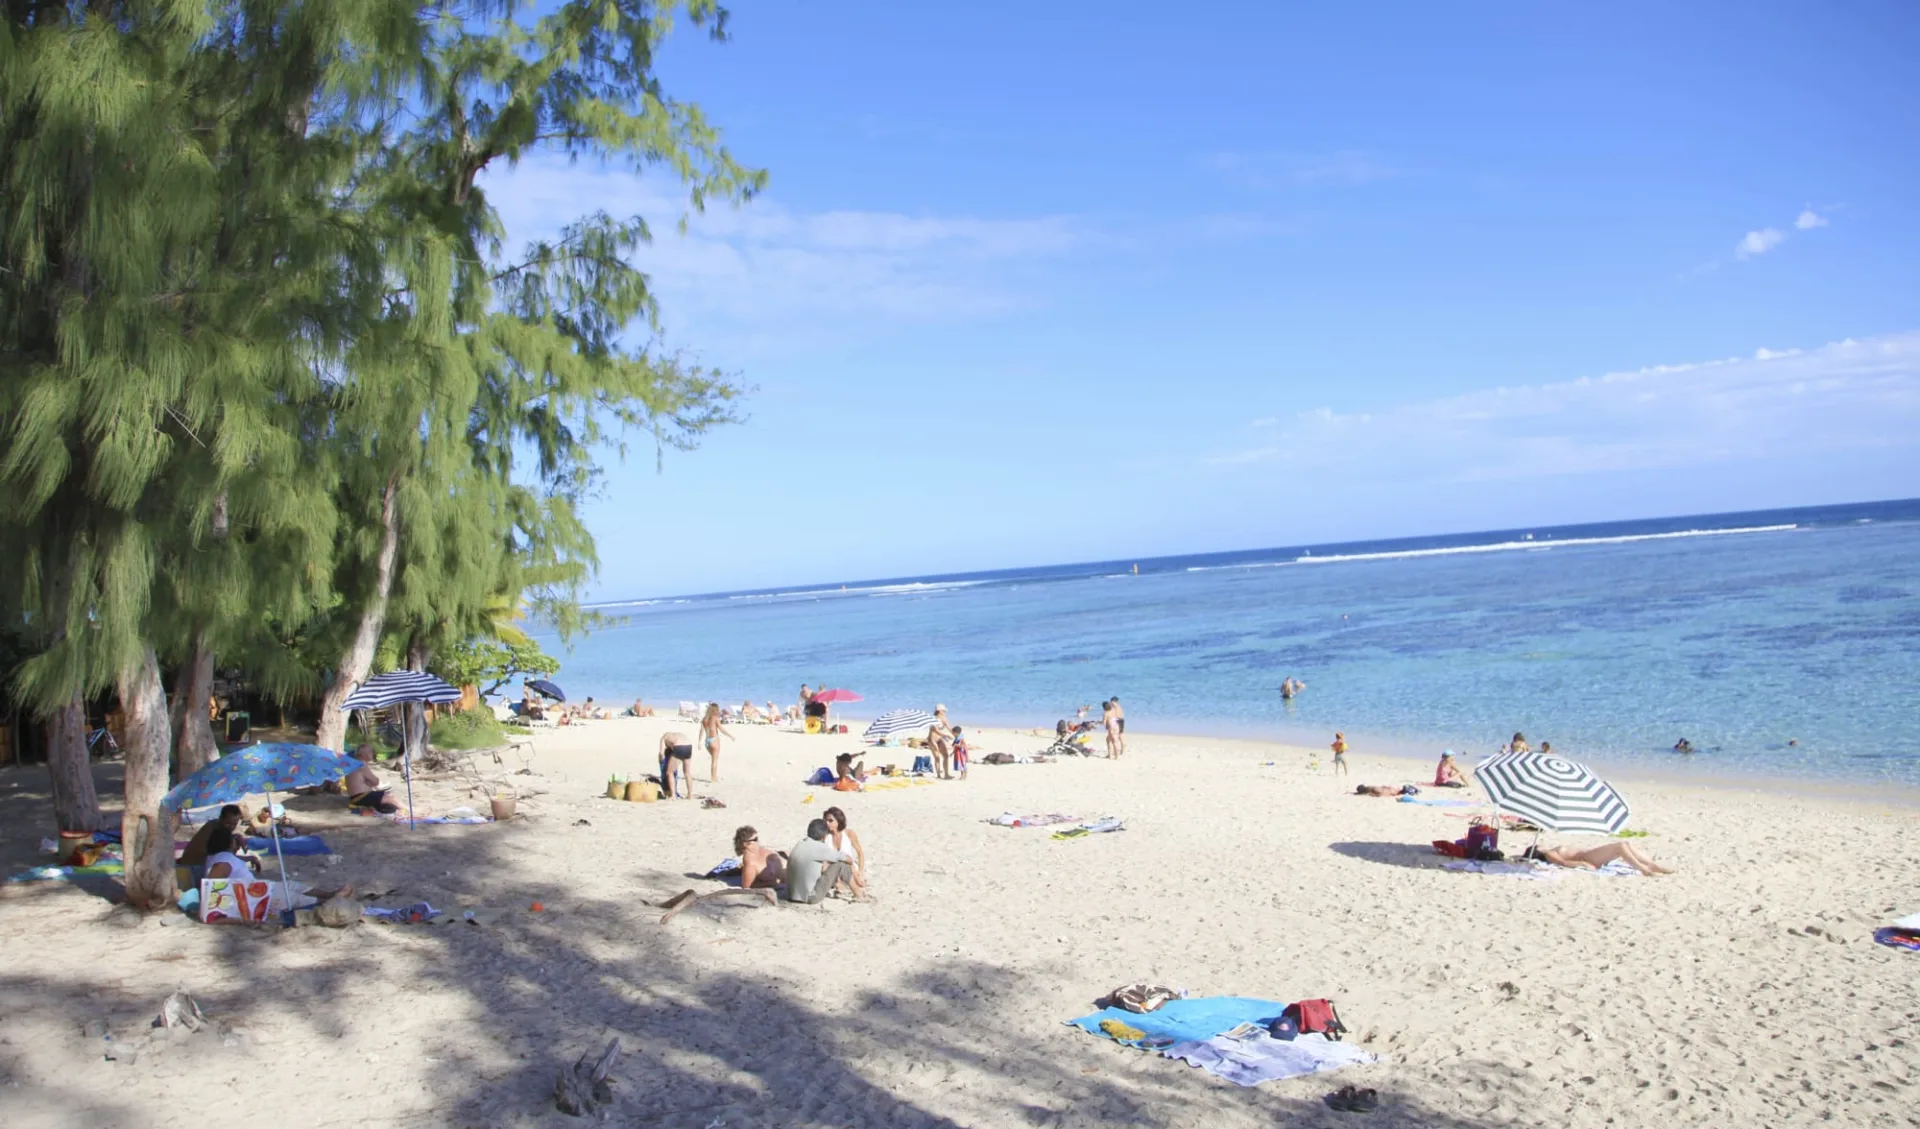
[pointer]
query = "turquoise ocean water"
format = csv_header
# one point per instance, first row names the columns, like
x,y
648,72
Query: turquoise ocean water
x,y
1741,632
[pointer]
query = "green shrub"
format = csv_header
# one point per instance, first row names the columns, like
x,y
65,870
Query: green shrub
x,y
472,729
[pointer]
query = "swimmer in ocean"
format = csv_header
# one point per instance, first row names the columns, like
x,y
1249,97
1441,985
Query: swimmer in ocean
x,y
1683,746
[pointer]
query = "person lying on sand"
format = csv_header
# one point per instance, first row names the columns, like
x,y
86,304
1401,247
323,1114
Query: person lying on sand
x,y
1593,858
759,867
1448,774
1385,790
363,787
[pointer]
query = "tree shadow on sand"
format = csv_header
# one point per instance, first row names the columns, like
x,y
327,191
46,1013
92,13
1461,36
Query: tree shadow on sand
x,y
952,1045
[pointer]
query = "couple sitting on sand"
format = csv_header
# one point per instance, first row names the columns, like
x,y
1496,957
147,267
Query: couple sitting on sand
x,y
828,860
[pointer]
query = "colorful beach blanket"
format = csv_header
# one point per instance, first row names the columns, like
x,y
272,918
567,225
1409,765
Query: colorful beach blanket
x,y
1008,819
1099,827
1225,1036
54,873
1895,937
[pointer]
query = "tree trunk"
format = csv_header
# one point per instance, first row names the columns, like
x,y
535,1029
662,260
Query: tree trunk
x,y
358,660
192,729
76,807
146,833
416,711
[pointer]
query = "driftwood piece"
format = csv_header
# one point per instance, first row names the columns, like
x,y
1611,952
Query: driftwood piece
x,y
582,1088
682,900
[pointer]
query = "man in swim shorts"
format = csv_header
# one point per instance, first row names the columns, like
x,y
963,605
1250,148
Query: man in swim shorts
x,y
1120,723
363,787
676,754
814,867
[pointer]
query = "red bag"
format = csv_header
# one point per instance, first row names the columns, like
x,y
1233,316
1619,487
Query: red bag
x,y
1312,1017
1481,837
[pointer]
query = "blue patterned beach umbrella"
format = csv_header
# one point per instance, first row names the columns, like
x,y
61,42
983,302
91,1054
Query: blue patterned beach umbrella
x,y
258,768
1551,793
265,768
898,721
397,687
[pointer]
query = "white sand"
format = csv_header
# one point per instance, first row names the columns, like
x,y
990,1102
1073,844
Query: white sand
x,y
1695,999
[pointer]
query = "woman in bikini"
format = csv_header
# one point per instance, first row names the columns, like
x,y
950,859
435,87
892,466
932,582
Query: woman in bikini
x,y
711,730
1593,858
940,744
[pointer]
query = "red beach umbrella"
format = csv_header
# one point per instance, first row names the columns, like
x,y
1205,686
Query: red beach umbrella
x,y
830,696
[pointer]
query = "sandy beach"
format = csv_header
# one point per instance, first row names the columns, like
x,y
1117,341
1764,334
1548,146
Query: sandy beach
x,y
1743,990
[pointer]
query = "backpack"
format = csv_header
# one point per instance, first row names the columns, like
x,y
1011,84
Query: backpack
x,y
1309,1017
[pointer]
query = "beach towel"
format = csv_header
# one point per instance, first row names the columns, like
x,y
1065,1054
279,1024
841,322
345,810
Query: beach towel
x,y
1008,819
726,868
1440,803
1907,939
290,845
52,873
1506,869
419,913
1184,1021
1099,827
1257,1057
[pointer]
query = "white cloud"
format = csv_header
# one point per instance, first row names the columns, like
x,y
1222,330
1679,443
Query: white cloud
x,y
1809,219
1850,395
1759,242
766,269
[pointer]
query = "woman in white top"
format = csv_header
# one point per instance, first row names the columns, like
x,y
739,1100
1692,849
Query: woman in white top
x,y
844,840
222,862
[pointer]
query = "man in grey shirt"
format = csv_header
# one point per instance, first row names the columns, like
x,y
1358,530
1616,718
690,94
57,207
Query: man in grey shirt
x,y
814,867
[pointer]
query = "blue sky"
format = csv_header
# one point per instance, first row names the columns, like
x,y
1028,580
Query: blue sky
x,y
1043,283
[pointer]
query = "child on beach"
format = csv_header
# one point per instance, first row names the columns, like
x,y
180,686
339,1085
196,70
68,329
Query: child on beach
x,y
1340,754
959,753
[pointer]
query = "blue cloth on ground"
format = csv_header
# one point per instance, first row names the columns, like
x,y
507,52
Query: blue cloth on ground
x,y
1187,1021
1259,1057
290,845
1439,803
822,776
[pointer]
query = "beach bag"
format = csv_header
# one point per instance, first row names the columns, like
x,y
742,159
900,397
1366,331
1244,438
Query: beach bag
x,y
1482,838
1310,1017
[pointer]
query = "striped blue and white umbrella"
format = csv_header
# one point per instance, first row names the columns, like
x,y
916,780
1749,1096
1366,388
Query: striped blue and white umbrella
x,y
898,721
1551,793
398,686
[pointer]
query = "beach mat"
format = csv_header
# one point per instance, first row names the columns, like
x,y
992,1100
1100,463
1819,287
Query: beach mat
x,y
290,845
1189,1021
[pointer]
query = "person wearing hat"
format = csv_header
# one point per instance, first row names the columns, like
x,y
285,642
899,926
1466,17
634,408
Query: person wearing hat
x,y
940,744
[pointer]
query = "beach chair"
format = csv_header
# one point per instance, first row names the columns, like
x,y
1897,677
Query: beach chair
x,y
690,711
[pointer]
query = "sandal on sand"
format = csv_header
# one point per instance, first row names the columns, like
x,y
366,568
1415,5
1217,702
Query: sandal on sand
x,y
1364,1101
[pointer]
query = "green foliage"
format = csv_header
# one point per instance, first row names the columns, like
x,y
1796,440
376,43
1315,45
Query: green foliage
x,y
250,285
469,729
491,665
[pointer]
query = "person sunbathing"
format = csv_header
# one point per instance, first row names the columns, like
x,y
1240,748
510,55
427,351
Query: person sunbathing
x,y
1448,774
1593,858
759,867
363,787
751,713
1385,790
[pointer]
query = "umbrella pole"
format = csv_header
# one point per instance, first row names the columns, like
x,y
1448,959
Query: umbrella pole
x,y
406,769
273,828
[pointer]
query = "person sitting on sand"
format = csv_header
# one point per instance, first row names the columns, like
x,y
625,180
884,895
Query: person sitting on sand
x,y
1593,858
363,787
1448,774
676,759
848,774
639,709
751,713
222,862
814,868
194,855
760,868
845,841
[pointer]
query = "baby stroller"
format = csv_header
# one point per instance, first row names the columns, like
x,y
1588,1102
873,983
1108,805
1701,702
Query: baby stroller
x,y
1071,740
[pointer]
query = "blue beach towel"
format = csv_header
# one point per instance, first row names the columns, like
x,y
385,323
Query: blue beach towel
x,y
290,845
1439,803
1187,1021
